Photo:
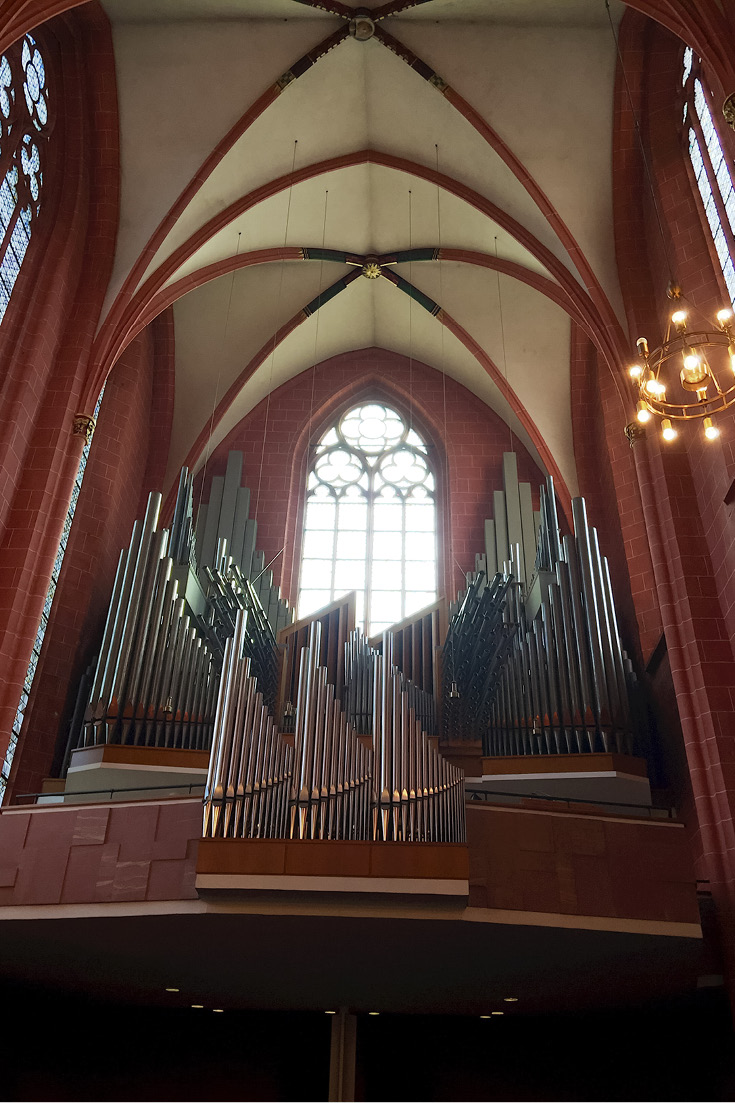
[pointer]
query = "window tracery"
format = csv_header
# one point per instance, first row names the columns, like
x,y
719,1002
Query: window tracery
x,y
25,126
370,519
711,170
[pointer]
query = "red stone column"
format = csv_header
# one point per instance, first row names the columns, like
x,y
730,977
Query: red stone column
x,y
47,332
702,667
113,485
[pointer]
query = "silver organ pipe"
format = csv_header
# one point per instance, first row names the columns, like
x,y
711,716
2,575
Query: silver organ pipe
x,y
562,680
156,676
247,788
189,660
388,784
156,680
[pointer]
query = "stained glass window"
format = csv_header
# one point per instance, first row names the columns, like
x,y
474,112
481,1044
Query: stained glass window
x,y
711,169
38,642
370,521
24,130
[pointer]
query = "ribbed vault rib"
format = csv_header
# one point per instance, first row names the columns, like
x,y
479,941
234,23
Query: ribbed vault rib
x,y
115,333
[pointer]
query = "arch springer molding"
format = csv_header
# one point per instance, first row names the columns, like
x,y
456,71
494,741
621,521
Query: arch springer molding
x,y
728,110
634,431
84,426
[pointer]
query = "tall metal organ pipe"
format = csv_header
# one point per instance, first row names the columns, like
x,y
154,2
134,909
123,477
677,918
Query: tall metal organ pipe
x,y
389,784
541,672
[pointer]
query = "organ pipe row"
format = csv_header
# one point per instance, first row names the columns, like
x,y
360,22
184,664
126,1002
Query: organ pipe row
x,y
474,651
360,660
250,767
229,592
418,794
331,791
389,784
155,682
556,679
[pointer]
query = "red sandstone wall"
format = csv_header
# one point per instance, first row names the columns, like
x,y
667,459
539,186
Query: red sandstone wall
x,y
697,473
688,525
99,853
579,865
520,859
47,332
114,486
468,455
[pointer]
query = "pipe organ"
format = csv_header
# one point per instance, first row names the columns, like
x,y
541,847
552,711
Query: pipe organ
x,y
317,732
337,621
224,529
156,680
541,670
333,782
416,643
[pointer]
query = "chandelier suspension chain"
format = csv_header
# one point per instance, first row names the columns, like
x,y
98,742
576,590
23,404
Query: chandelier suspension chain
x,y
277,327
208,450
316,327
502,333
452,560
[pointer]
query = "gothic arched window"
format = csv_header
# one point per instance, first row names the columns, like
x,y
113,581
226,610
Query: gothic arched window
x,y
24,127
370,519
711,170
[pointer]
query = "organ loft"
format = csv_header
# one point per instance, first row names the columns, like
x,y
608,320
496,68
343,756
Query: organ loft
x,y
366,551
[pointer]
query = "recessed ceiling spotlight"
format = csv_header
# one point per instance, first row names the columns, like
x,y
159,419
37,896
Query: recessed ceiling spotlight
x,y
510,999
498,1012
484,1016
330,1012
199,1005
172,989
218,1010
373,1012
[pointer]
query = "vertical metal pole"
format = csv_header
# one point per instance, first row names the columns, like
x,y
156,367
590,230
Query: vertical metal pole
x,y
342,1053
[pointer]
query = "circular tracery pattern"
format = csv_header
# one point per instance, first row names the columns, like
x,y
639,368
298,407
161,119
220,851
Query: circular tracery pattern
x,y
24,130
34,85
370,519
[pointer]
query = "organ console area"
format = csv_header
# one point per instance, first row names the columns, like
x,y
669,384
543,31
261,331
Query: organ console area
x,y
307,730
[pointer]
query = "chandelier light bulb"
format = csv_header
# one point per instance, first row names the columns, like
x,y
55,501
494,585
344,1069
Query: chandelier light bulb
x,y
686,376
694,372
711,431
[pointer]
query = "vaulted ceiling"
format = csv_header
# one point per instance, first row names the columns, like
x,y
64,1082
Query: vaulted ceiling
x,y
266,152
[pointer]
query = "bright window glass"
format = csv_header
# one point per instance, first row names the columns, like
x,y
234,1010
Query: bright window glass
x,y
711,170
24,127
50,593
370,519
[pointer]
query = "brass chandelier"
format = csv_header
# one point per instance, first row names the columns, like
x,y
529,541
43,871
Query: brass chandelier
x,y
691,375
